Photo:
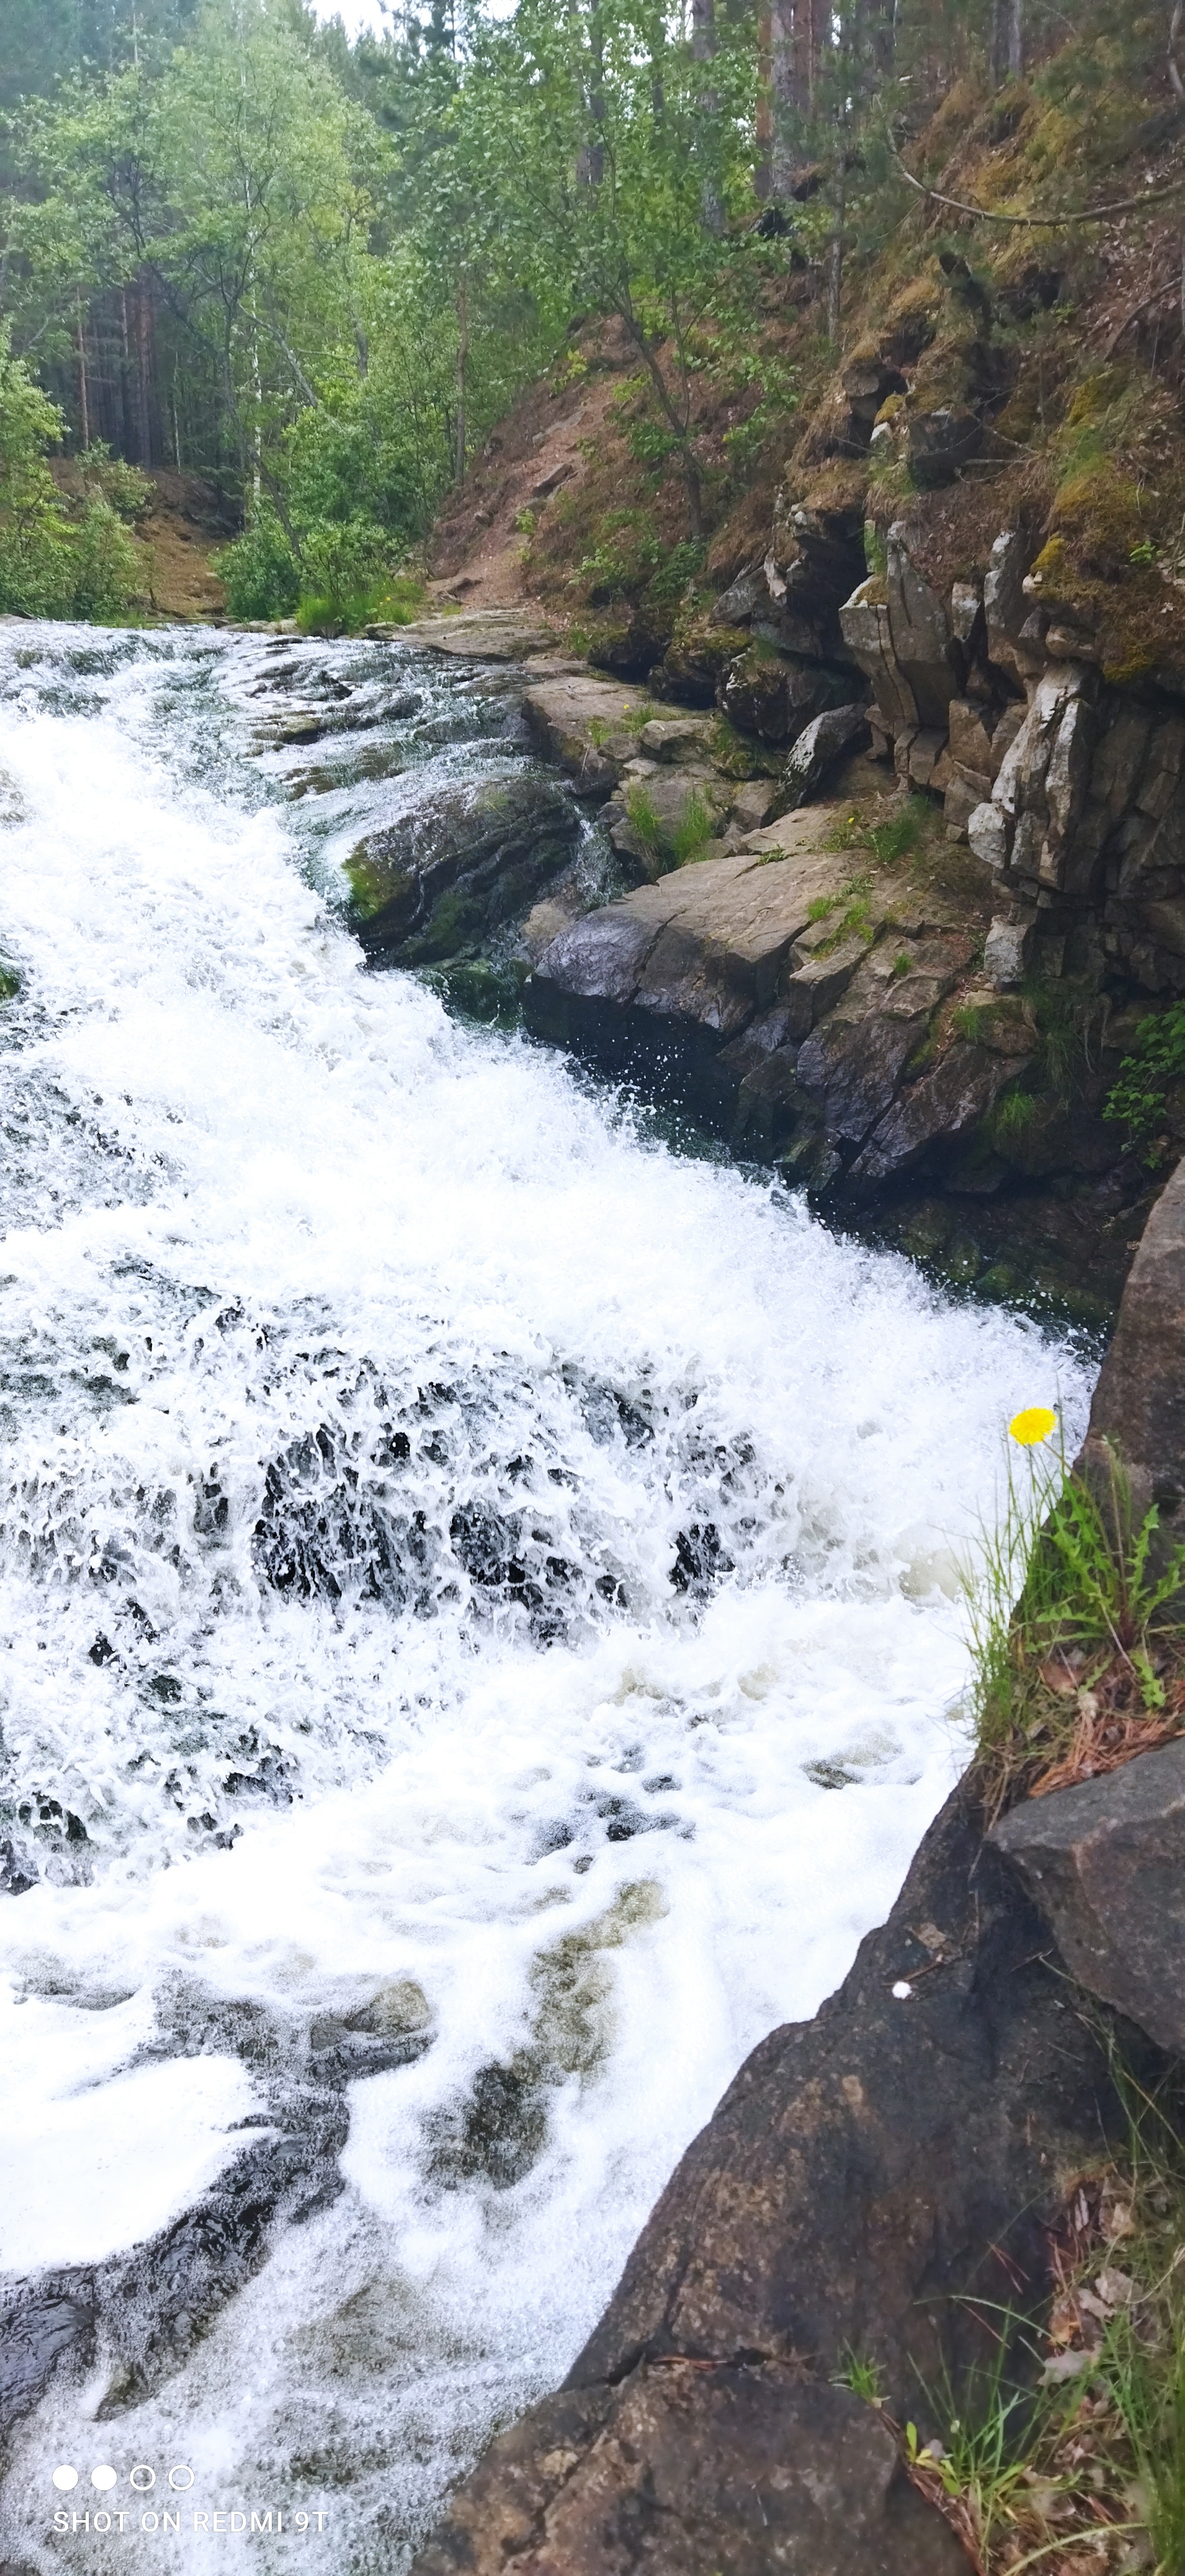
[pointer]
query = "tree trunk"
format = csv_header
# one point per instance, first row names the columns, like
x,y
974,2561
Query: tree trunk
x,y
590,165
876,39
835,246
144,362
799,30
84,415
764,123
703,47
462,370
1007,41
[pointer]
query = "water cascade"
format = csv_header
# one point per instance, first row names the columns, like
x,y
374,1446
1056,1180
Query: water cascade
x,y
478,1641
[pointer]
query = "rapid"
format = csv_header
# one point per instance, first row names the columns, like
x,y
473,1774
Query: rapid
x,y
479,1642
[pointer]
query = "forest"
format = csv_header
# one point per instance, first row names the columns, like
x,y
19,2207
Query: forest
x,y
317,271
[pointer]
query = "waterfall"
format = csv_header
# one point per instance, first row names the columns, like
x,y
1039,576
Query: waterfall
x,y
478,1628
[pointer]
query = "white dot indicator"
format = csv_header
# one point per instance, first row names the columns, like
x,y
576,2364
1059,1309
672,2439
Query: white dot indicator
x,y
901,1990
65,2479
102,2477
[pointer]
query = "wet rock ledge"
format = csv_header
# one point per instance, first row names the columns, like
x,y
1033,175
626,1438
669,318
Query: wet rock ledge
x,y
870,2176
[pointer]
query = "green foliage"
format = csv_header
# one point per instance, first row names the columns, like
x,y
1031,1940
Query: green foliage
x,y
1076,1622
259,570
1138,1099
54,563
670,845
105,567
1011,1118
864,2377
899,837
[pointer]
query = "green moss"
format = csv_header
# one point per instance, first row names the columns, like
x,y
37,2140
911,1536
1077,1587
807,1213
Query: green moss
x,y
374,886
10,983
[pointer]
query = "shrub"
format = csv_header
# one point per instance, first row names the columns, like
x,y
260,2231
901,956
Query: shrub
x,y
1139,1098
259,569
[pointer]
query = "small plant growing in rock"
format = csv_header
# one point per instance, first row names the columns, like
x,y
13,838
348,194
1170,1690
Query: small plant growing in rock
x,y
1139,1098
1077,1624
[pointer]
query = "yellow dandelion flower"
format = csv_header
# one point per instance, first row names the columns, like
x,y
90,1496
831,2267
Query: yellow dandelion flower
x,y
1034,1424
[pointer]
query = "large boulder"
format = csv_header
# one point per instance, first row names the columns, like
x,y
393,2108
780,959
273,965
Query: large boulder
x,y
827,740
743,2465
1105,1861
447,873
1138,1412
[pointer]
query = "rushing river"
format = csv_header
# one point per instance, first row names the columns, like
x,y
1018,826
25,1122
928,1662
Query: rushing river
x,y
477,1634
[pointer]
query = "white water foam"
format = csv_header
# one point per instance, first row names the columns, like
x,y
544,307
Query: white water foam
x,y
431,1507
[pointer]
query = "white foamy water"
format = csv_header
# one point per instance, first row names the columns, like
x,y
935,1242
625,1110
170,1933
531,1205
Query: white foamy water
x,y
466,1570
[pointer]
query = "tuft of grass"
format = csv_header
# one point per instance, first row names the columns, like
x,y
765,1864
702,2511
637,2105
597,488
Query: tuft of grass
x,y
863,2376
1012,1118
1077,1629
1067,2450
670,845
644,818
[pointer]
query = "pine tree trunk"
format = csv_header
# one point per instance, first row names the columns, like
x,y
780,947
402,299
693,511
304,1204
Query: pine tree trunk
x,y
462,372
703,47
1007,60
764,123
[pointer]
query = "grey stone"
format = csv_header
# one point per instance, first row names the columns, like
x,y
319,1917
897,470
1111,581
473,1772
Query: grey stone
x,y
966,612
939,444
864,621
987,831
938,1108
1105,1861
828,739
482,635
735,606
920,631
1005,607
1138,1411
1007,950
970,740
449,871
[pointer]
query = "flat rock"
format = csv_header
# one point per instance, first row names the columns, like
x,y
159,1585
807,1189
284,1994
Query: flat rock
x,y
705,944
592,726
481,635
1105,1861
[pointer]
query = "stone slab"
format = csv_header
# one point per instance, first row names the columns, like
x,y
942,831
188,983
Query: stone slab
x,y
482,635
1105,1861
728,925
